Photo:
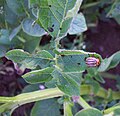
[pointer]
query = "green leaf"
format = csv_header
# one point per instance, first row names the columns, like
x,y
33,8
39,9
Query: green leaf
x,y
89,112
77,52
44,55
28,60
17,55
78,25
54,15
110,62
48,107
4,37
32,28
67,83
17,6
38,76
74,60
72,63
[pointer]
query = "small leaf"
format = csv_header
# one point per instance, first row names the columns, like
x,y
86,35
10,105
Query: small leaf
x,y
110,62
32,28
44,55
78,25
89,112
38,76
17,55
48,107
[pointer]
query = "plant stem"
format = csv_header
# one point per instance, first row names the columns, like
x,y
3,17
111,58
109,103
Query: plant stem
x,y
14,102
83,103
67,109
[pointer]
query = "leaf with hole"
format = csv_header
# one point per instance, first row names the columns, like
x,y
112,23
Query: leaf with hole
x,y
54,15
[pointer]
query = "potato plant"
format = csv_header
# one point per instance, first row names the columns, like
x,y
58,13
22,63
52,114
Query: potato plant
x,y
58,77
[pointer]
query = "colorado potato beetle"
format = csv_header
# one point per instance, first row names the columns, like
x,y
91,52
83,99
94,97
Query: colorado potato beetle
x,y
92,61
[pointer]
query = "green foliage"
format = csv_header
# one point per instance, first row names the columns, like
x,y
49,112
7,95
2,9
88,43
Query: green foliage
x,y
29,60
67,83
56,16
60,70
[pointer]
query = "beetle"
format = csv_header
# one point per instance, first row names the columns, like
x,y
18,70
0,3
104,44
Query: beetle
x,y
92,61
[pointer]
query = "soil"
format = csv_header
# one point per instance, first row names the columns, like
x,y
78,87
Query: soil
x,y
103,39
